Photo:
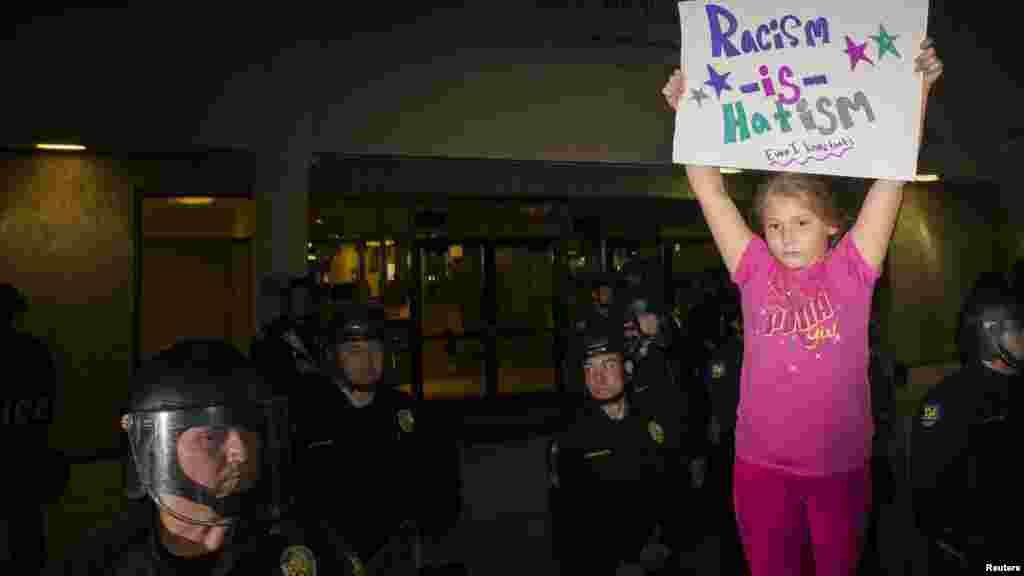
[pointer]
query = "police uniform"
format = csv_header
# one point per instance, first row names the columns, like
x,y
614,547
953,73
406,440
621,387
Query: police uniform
x,y
360,466
132,547
965,441
964,417
26,410
370,475
187,404
723,384
617,482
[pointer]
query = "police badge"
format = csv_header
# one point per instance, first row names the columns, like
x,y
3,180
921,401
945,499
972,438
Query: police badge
x,y
931,414
717,370
406,421
298,561
656,432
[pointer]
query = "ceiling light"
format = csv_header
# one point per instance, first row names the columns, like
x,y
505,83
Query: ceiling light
x,y
63,147
192,200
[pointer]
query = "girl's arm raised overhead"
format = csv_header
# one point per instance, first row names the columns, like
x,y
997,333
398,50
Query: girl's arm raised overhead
x,y
729,229
877,217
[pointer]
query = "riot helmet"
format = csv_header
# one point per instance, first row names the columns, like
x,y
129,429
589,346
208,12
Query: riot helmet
x,y
602,352
992,327
641,302
206,436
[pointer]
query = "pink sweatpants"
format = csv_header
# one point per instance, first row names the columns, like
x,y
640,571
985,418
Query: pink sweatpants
x,y
777,513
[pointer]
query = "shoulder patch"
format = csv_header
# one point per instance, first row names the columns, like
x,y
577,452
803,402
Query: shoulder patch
x,y
717,370
406,420
930,414
298,561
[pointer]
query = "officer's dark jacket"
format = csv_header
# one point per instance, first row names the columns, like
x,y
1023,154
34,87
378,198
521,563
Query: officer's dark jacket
x,y
722,379
27,398
131,546
363,472
617,481
659,373
963,446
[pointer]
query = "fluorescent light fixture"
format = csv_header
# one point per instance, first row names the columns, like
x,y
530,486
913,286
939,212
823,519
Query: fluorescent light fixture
x,y
731,171
63,147
926,178
192,200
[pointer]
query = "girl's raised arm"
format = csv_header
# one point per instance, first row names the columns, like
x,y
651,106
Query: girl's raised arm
x,y
729,229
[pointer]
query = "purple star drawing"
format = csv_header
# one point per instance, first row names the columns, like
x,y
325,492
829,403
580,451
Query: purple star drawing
x,y
856,53
718,82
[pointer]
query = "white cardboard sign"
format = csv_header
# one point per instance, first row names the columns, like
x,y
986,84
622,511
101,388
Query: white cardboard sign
x,y
815,86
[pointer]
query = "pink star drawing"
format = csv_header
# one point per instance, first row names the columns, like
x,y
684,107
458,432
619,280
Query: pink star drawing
x,y
856,53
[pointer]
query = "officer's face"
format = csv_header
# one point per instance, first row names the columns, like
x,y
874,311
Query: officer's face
x,y
603,374
647,324
362,361
1013,340
224,460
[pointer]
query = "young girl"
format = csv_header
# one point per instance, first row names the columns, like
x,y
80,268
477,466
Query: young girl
x,y
803,430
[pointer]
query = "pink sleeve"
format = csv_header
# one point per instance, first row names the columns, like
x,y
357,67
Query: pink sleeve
x,y
848,261
754,261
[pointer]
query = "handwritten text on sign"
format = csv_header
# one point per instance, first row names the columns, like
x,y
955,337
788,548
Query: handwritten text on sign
x,y
793,91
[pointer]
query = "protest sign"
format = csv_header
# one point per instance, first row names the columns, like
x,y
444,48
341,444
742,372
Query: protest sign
x,y
812,86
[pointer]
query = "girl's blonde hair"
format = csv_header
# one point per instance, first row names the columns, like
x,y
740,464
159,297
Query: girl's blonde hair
x,y
814,191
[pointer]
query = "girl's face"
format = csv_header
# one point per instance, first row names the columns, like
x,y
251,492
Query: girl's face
x,y
796,236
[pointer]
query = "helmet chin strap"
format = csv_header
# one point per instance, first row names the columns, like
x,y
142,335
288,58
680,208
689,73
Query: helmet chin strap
x,y
224,521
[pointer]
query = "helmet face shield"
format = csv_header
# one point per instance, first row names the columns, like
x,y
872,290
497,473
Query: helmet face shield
x,y
1011,342
209,465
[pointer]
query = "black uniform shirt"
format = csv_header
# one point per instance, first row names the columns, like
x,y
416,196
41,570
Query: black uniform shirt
x,y
27,398
618,479
364,471
132,547
952,442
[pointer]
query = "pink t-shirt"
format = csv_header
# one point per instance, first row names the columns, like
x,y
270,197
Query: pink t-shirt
x,y
805,404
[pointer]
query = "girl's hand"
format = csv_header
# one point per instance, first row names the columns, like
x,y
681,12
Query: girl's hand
x,y
674,88
928,63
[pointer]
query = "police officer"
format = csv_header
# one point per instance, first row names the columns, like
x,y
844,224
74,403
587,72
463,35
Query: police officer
x,y
26,410
652,365
722,378
372,476
617,466
964,440
207,445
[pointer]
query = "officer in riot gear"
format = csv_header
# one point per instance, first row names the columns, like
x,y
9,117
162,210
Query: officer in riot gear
x,y
209,443
26,411
722,378
288,348
618,465
398,486
648,341
965,437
